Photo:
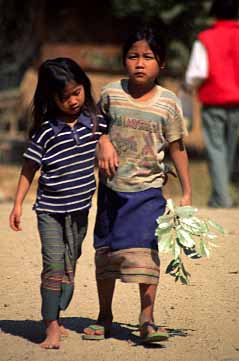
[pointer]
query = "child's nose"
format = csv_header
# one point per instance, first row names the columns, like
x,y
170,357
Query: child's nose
x,y
140,63
72,101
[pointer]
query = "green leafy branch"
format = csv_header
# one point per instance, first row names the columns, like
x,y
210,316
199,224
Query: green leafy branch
x,y
181,232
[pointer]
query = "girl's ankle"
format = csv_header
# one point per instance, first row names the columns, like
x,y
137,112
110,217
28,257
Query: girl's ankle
x,y
47,323
143,318
105,317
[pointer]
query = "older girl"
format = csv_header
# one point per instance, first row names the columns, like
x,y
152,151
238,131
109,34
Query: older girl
x,y
143,119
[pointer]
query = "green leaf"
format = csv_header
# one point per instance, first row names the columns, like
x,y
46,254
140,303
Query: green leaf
x,y
165,242
164,227
211,235
185,272
200,224
192,230
186,211
165,218
204,251
193,225
180,230
170,205
172,266
184,280
215,225
160,232
185,238
176,249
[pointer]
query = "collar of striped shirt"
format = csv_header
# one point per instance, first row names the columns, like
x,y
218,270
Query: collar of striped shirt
x,y
57,124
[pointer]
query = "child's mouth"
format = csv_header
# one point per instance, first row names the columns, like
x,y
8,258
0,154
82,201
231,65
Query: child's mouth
x,y
140,74
75,109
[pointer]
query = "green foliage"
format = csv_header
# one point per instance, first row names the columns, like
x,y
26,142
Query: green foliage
x,y
180,21
181,232
166,10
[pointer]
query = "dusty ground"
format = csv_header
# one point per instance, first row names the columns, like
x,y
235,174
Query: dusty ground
x,y
202,318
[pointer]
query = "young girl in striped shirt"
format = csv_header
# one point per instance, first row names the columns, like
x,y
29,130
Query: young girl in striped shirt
x,y
62,144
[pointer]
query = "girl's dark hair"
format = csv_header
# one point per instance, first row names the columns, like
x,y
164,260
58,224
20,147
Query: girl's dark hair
x,y
53,76
225,9
153,38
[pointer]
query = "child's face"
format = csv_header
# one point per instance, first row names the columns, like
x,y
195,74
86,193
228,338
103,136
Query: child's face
x,y
141,64
72,99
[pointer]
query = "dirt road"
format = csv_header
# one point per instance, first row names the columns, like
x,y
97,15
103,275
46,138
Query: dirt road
x,y
203,318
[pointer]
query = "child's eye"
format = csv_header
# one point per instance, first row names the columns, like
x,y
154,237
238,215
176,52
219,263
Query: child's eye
x,y
149,56
132,56
77,91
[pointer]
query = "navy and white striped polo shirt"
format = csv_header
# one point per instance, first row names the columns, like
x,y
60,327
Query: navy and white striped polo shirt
x,y
67,158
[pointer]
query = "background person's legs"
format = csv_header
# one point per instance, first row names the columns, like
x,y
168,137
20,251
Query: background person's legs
x,y
214,129
232,137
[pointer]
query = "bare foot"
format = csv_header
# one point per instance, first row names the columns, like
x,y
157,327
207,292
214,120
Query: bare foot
x,y
53,334
63,331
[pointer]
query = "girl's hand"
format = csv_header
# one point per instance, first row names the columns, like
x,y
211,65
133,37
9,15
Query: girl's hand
x,y
186,200
107,156
28,171
15,218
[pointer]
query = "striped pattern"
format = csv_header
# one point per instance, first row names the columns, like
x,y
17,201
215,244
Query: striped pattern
x,y
61,239
164,108
136,265
140,132
67,157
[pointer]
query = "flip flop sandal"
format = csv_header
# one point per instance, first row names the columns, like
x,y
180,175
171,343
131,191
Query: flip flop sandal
x,y
156,336
105,333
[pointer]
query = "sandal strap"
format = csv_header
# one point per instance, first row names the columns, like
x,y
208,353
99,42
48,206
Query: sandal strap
x,y
149,324
96,327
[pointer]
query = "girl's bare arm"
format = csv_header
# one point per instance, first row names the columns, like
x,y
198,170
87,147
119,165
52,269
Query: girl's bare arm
x,y
107,156
28,171
180,159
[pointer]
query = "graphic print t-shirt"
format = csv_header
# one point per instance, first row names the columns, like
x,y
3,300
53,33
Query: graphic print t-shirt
x,y
140,132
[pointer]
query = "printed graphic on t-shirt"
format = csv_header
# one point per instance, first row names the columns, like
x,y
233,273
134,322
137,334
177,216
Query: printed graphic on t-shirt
x,y
140,131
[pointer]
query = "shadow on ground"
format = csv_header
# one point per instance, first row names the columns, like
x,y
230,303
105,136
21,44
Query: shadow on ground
x,y
33,331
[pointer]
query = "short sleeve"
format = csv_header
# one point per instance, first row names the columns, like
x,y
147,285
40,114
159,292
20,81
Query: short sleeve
x,y
34,149
103,111
175,126
104,103
102,124
198,64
